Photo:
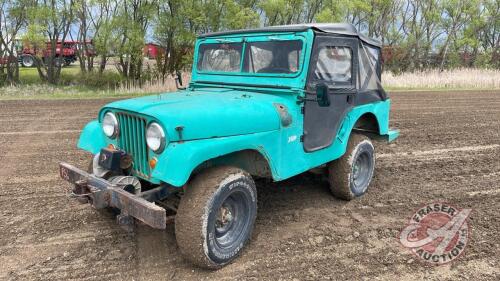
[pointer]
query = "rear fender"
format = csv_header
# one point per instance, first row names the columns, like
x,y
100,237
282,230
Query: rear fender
x,y
380,112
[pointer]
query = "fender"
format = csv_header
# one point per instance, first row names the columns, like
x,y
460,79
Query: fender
x,y
193,153
379,109
172,171
92,138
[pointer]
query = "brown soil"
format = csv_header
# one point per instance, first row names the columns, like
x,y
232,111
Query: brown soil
x,y
449,150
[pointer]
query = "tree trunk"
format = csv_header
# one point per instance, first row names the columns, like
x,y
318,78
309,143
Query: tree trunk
x,y
102,64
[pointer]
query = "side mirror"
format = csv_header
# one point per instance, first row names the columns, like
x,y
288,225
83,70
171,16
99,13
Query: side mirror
x,y
322,95
178,81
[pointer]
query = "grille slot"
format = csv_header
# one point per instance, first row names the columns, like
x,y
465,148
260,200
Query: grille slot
x,y
132,139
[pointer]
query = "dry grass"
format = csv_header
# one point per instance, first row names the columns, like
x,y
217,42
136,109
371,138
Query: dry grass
x,y
45,91
448,79
431,80
156,86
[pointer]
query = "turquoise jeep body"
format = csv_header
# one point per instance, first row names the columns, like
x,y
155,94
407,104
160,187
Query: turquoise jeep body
x,y
254,121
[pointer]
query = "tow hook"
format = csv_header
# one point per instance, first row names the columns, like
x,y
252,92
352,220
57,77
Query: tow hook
x,y
80,192
126,222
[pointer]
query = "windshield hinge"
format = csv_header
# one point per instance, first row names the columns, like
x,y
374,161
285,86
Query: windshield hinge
x,y
301,99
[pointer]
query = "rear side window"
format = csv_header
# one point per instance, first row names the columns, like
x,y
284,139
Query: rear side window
x,y
224,57
334,65
369,68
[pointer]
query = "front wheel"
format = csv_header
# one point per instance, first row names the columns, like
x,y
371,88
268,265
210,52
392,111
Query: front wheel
x,y
350,175
216,216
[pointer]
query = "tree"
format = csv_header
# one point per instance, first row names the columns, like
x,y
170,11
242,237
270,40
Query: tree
x,y
130,25
280,12
491,33
456,15
49,22
84,10
102,17
180,21
12,19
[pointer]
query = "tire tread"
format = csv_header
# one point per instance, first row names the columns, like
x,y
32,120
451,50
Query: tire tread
x,y
340,169
189,218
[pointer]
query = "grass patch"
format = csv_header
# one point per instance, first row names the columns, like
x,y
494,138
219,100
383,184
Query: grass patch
x,y
29,75
44,91
73,85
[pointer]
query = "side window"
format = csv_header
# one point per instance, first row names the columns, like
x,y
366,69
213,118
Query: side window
x,y
334,65
368,68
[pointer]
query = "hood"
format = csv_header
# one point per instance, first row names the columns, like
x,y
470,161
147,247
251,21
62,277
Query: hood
x,y
207,113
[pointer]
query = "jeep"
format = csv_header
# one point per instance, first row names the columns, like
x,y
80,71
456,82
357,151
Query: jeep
x,y
271,102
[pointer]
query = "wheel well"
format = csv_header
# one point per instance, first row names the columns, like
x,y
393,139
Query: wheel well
x,y
367,123
252,161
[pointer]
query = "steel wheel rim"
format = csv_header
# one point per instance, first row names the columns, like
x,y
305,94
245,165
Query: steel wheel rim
x,y
27,60
361,171
232,219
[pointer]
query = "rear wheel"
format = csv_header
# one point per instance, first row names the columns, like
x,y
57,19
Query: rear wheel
x,y
27,61
67,62
350,175
58,61
216,215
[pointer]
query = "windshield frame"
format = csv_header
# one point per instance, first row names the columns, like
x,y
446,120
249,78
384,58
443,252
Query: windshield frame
x,y
244,39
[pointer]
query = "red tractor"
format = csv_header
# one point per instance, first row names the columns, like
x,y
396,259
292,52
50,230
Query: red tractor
x,y
66,52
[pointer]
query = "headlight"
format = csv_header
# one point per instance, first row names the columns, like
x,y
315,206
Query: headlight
x,y
155,137
110,125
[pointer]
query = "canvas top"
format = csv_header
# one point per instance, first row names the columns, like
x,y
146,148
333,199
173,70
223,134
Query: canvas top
x,y
334,28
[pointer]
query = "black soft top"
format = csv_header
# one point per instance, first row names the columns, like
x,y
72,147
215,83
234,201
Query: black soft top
x,y
334,28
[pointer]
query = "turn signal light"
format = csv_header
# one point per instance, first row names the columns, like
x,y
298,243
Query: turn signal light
x,y
152,163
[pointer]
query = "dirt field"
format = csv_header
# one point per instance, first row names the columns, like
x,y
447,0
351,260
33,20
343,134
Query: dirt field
x,y
449,150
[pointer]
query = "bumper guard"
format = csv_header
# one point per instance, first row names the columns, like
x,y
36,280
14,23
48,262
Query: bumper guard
x,y
100,193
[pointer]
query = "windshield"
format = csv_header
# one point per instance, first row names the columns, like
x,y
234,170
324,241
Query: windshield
x,y
220,57
258,57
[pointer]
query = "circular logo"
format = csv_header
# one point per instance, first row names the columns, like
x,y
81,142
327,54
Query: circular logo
x,y
437,233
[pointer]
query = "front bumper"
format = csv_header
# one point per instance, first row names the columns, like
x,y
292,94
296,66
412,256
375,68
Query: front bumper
x,y
101,193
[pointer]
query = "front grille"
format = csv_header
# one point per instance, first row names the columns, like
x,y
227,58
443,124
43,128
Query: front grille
x,y
132,139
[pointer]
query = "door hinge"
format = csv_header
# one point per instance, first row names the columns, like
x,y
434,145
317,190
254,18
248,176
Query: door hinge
x,y
302,138
302,110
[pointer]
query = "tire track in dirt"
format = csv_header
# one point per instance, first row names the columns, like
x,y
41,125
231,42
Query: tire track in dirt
x,y
35,249
38,132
